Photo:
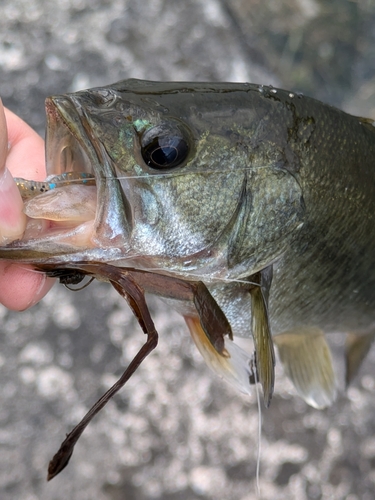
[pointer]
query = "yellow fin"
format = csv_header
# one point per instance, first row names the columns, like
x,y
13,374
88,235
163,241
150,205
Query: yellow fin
x,y
233,364
265,355
357,346
307,361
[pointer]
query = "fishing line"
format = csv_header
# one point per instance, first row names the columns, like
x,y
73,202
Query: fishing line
x,y
26,267
259,450
180,174
201,277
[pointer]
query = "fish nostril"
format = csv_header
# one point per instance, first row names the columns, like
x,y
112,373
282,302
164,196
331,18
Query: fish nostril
x,y
104,98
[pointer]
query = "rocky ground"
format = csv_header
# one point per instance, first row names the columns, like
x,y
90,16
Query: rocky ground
x,y
175,432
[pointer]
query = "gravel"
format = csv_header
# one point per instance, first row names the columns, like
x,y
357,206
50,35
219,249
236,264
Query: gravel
x,y
176,432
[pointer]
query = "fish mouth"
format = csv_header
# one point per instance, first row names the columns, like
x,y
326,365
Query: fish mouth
x,y
76,220
68,148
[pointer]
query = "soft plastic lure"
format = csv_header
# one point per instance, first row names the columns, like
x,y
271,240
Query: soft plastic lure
x,y
30,189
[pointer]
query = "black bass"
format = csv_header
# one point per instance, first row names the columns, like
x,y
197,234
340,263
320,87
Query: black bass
x,y
248,208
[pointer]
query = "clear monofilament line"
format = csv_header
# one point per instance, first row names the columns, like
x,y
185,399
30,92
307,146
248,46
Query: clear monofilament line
x,y
30,189
259,450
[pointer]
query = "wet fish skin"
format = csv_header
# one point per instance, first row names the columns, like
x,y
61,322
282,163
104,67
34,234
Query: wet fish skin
x,y
219,160
271,179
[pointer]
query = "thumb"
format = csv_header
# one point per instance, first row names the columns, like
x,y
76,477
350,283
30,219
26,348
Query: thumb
x,y
12,218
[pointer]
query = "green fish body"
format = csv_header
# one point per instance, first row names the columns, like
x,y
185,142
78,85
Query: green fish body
x,y
265,196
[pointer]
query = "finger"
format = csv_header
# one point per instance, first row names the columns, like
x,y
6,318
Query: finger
x,y
26,154
23,287
20,286
12,218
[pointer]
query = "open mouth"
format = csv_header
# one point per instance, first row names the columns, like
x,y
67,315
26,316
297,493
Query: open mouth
x,y
80,212
64,207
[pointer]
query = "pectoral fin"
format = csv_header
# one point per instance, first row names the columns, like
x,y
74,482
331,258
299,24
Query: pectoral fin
x,y
357,346
265,355
233,364
307,361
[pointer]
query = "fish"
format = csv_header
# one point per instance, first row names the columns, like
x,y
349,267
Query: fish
x,y
248,209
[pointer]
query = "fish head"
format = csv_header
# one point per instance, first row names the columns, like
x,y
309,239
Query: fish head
x,y
192,179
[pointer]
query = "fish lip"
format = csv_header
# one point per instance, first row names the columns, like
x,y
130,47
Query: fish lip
x,y
68,125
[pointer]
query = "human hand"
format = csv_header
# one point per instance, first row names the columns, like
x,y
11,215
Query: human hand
x,y
21,155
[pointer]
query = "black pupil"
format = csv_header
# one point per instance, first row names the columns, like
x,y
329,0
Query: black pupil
x,y
165,152
164,156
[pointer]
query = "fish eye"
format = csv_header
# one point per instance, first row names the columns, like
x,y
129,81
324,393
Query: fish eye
x,y
164,147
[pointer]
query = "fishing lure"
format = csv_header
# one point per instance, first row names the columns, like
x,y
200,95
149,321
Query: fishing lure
x,y
29,189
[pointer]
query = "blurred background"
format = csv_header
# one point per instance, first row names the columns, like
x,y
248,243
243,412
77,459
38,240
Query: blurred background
x,y
175,432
